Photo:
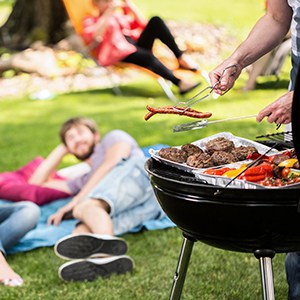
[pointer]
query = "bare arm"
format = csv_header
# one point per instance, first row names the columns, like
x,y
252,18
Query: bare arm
x,y
267,33
45,170
136,12
113,155
101,25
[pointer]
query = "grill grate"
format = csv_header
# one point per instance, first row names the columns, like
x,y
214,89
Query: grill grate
x,y
284,140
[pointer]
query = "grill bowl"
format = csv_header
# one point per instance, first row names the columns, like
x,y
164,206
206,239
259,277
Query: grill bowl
x,y
242,220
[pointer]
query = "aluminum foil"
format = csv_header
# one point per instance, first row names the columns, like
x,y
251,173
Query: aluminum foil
x,y
237,183
238,141
220,180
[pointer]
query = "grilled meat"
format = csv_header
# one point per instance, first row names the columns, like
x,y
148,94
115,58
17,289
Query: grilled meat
x,y
173,154
200,160
222,158
279,158
191,149
219,144
242,152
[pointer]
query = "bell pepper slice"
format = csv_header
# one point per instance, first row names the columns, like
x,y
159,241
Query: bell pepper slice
x,y
260,170
288,163
219,172
233,173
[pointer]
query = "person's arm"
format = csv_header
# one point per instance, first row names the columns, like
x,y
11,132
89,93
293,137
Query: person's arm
x,y
100,26
45,170
57,217
140,19
267,33
279,112
113,155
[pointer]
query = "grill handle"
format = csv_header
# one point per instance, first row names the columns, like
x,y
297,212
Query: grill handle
x,y
298,207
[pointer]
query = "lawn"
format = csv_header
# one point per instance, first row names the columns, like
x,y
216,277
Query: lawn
x,y
29,128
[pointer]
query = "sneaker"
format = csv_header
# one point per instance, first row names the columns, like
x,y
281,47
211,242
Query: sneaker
x,y
92,268
83,246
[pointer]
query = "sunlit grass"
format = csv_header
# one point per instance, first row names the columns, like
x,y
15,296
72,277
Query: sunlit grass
x,y
29,128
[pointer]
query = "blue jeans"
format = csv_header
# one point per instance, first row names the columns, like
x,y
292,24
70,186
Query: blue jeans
x,y
16,219
292,267
128,191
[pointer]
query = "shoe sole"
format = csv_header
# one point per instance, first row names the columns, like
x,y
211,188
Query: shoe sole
x,y
91,269
84,246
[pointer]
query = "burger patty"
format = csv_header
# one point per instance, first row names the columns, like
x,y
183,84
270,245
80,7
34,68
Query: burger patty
x,y
223,158
173,154
219,144
191,149
219,151
200,160
242,152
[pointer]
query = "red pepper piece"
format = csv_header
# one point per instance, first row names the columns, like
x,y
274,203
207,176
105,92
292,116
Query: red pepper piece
x,y
271,158
217,171
259,170
253,178
256,155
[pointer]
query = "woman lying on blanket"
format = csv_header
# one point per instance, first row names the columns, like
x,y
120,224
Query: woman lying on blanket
x,y
17,185
122,34
16,219
110,199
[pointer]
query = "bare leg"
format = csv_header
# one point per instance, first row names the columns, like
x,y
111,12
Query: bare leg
x,y
186,62
7,275
81,228
94,214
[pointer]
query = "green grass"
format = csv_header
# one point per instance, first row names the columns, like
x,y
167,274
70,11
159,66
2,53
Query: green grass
x,y
231,14
29,128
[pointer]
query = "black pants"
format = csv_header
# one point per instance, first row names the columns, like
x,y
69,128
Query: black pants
x,y
155,29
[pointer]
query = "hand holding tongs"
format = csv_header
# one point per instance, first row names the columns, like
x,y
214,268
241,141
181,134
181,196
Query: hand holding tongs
x,y
192,101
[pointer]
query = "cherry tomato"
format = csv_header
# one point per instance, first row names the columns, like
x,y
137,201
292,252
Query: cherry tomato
x,y
278,182
290,181
285,172
267,182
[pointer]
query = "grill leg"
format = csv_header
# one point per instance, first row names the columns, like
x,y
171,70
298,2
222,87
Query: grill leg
x,y
182,266
265,264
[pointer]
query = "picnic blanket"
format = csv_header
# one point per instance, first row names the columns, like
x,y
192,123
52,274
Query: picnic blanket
x,y
47,235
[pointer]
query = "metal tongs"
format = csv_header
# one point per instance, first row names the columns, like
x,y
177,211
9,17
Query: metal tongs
x,y
204,123
192,101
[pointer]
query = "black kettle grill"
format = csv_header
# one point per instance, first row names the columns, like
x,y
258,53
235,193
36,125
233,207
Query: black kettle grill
x,y
259,221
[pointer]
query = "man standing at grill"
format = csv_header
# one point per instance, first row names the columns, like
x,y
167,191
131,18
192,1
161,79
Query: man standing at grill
x,y
268,32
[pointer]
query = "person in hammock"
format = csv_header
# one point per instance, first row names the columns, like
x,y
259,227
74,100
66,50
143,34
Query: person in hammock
x,y
121,34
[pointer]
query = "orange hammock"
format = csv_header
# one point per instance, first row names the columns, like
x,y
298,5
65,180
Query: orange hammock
x,y
79,9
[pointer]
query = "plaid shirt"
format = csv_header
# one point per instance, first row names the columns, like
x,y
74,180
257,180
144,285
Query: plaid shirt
x,y
295,32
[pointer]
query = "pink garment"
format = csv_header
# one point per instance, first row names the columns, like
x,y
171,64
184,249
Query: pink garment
x,y
114,46
14,186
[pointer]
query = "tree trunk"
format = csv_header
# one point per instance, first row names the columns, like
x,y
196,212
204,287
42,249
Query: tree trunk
x,y
34,20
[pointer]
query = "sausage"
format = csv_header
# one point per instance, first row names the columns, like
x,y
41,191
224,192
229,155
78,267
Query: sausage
x,y
178,110
149,115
